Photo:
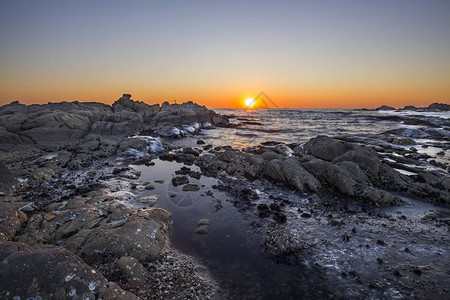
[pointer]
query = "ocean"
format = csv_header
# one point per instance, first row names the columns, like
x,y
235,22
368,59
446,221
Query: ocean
x,y
430,131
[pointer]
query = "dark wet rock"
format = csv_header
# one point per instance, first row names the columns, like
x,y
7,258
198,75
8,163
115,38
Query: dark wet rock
x,y
279,217
190,150
342,178
11,221
275,207
417,271
403,141
263,210
200,142
191,187
202,226
325,148
167,156
150,187
66,275
233,162
291,172
365,158
183,157
187,171
346,237
135,273
179,180
381,243
285,245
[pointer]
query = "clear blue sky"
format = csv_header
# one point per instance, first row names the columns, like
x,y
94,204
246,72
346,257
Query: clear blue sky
x,y
302,53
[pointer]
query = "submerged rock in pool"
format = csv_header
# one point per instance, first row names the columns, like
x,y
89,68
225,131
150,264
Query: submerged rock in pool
x,y
191,187
179,180
202,226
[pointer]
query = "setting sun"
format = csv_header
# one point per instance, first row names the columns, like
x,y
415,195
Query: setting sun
x,y
249,102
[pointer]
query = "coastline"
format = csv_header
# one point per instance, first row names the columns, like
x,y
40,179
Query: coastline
x,y
314,205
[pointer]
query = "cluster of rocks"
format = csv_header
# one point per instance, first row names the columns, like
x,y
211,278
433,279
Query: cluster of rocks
x,y
55,126
334,225
69,206
325,165
432,107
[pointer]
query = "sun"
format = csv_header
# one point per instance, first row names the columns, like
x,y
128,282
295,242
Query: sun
x,y
249,102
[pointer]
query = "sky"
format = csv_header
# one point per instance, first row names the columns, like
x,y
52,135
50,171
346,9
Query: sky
x,y
303,54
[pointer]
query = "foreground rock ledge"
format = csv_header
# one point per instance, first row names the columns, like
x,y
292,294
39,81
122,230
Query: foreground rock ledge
x,y
51,272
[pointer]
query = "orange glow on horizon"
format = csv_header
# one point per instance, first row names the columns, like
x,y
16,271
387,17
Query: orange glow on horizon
x,y
235,98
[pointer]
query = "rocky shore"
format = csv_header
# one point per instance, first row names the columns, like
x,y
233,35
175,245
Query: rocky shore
x,y
347,210
67,225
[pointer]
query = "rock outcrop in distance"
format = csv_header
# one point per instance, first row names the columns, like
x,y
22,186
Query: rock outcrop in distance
x,y
58,125
432,107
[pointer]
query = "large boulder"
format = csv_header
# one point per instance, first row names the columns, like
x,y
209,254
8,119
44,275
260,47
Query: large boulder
x,y
326,148
348,179
234,162
142,237
49,272
93,227
186,113
367,161
290,171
